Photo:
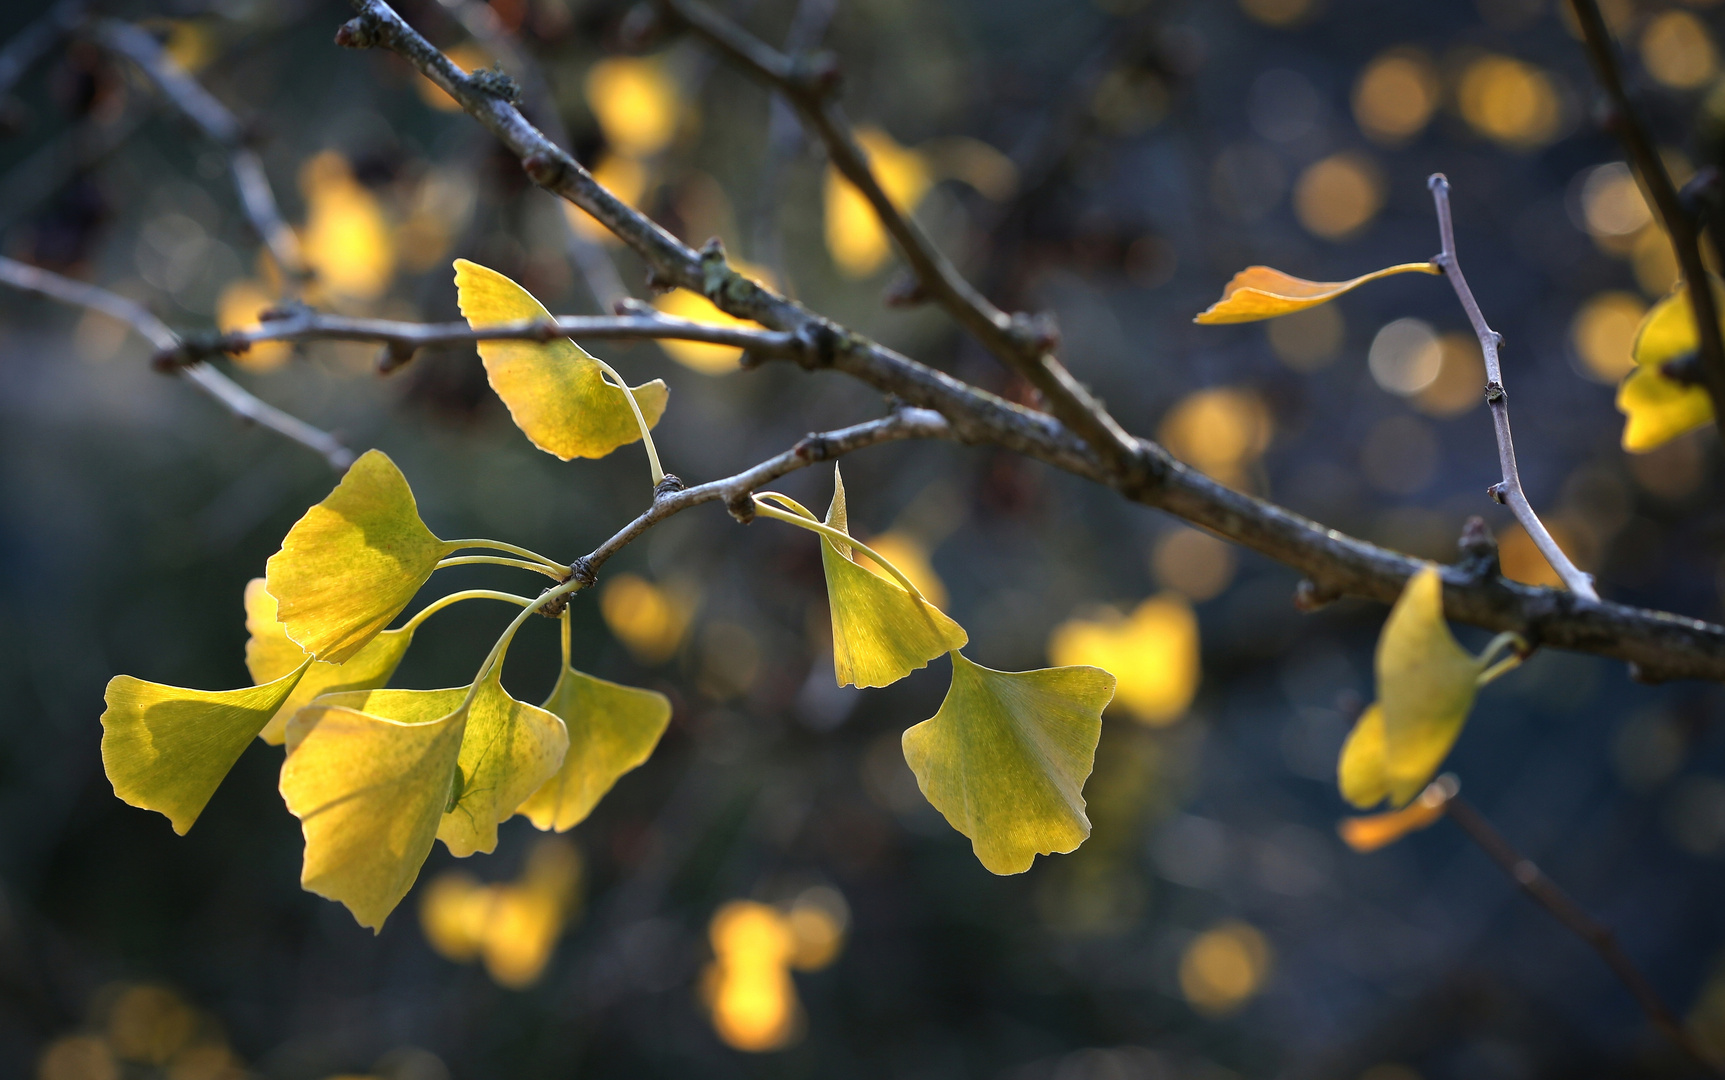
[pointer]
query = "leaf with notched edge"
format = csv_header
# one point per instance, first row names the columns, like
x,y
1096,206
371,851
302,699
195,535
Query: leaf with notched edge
x,y
612,729
510,750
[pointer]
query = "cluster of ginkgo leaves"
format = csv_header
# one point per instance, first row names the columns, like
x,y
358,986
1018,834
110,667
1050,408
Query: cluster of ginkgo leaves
x,y
375,775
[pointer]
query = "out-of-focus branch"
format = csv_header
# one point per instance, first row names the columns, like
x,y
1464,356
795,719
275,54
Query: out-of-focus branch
x,y
1659,645
1543,891
27,45
236,398
1679,225
402,339
1508,490
221,127
1024,344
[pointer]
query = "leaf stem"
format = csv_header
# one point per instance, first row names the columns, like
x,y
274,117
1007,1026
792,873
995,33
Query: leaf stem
x,y
763,507
550,570
442,602
513,549
635,407
1508,639
501,649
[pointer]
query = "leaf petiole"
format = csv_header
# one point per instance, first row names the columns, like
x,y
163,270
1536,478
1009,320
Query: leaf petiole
x,y
635,407
501,649
498,545
456,597
556,573
1510,640
807,521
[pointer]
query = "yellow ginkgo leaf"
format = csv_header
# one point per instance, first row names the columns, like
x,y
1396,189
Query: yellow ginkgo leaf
x,y
353,561
270,655
369,774
881,632
510,750
1006,757
556,393
1263,292
612,729
1658,407
1426,686
1360,769
167,749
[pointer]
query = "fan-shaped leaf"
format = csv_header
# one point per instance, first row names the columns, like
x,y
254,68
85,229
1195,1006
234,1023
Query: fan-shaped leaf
x,y
1426,686
510,750
612,729
881,632
1360,770
556,393
270,655
369,774
1658,407
1262,292
1006,757
353,561
167,749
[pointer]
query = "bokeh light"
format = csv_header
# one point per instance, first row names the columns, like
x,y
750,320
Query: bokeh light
x,y
1405,357
1224,967
650,620
1510,101
1611,201
1395,95
1308,340
347,240
637,103
1677,50
1279,12
1339,195
1460,382
1153,655
747,987
512,926
237,309
911,557
1193,562
1222,431
855,239
1602,333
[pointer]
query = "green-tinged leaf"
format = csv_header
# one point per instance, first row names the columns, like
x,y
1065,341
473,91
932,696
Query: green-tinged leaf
x,y
1426,686
511,748
1006,757
881,632
1360,770
556,393
612,729
353,561
270,655
1263,292
167,749
369,773
1659,408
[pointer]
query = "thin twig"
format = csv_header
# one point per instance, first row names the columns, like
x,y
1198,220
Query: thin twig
x,y
1679,226
1544,892
221,127
236,398
1024,344
1507,491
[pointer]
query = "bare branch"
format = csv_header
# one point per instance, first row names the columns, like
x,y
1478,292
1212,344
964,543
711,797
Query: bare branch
x,y
1544,892
1508,491
1679,226
221,127
235,397
1659,645
1024,344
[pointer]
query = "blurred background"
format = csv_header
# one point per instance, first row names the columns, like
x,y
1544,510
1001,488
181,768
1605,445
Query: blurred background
x,y
769,895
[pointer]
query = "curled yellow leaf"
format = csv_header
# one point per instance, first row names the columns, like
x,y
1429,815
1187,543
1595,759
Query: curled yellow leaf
x,y
1426,686
556,393
167,749
612,729
1006,756
1360,770
1263,292
352,562
1658,408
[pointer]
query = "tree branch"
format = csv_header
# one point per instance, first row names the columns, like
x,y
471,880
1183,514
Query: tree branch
x,y
1544,892
1659,645
1679,226
221,127
1507,491
235,397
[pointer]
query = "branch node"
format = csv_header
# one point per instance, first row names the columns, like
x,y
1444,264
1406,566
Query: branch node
x,y
741,506
1309,596
545,169
1494,392
1036,334
361,32
820,342
1498,492
497,83
628,305
1479,559
813,447
394,354
669,484
582,570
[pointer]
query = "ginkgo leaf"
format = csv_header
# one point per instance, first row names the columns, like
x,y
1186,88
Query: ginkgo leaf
x,y
510,750
270,655
1006,757
556,393
1426,686
1262,292
1360,770
1373,831
881,632
167,749
353,561
1658,407
369,774
612,729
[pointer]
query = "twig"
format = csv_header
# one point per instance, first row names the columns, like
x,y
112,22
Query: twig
x,y
236,398
1659,645
221,127
1544,892
1679,226
1024,344
1507,491
27,45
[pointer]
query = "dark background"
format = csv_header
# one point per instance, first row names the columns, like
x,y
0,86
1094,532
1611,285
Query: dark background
x,y
1154,160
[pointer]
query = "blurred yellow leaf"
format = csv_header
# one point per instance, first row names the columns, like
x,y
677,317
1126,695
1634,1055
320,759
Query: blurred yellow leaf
x,y
1360,769
237,309
855,238
353,561
650,620
556,393
369,774
1006,757
748,985
881,632
1224,967
509,750
347,240
1153,654
1262,292
1658,407
612,729
636,102
167,749
513,926
270,655
1426,686
1374,831
707,358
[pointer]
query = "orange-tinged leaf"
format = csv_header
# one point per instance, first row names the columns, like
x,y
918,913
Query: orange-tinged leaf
x,y
1263,292
1373,831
